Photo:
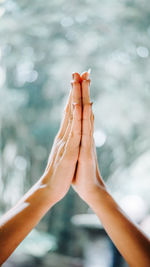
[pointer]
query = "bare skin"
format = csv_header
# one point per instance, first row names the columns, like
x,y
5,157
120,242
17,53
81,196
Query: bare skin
x,y
52,186
73,160
128,238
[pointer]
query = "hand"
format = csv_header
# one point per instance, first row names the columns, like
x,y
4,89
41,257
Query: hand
x,y
128,238
88,179
64,155
52,186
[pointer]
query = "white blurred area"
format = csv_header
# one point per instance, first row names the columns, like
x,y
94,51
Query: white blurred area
x,y
133,180
99,137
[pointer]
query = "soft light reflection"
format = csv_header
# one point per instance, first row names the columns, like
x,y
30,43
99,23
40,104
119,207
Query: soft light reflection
x,y
37,244
33,76
11,6
20,163
135,207
2,11
26,73
99,138
9,153
142,51
86,220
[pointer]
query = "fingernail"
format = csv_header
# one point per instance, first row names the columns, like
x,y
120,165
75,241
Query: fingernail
x,y
76,76
85,75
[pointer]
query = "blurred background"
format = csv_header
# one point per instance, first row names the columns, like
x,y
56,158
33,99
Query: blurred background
x,y
41,44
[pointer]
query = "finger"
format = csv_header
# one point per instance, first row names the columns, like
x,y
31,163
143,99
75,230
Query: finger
x,y
85,75
76,97
85,87
75,94
92,122
67,132
76,77
74,139
76,91
87,125
65,120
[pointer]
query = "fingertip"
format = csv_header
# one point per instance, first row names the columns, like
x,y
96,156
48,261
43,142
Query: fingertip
x,y
76,76
85,75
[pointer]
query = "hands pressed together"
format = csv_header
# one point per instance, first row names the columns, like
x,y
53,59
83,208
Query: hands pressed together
x,y
73,157
73,161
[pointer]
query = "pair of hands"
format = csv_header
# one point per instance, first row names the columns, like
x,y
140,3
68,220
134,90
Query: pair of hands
x,y
73,161
73,157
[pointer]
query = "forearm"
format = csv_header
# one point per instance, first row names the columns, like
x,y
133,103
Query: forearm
x,y
128,238
20,220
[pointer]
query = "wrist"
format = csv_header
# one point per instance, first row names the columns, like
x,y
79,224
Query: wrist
x,y
44,184
97,197
53,190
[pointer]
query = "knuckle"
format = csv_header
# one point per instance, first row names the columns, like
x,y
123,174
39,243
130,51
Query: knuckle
x,y
77,99
73,82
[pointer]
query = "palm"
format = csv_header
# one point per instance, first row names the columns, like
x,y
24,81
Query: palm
x,y
83,182
66,145
87,177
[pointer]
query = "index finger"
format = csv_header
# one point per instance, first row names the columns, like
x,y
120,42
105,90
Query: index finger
x,y
74,97
85,87
76,91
